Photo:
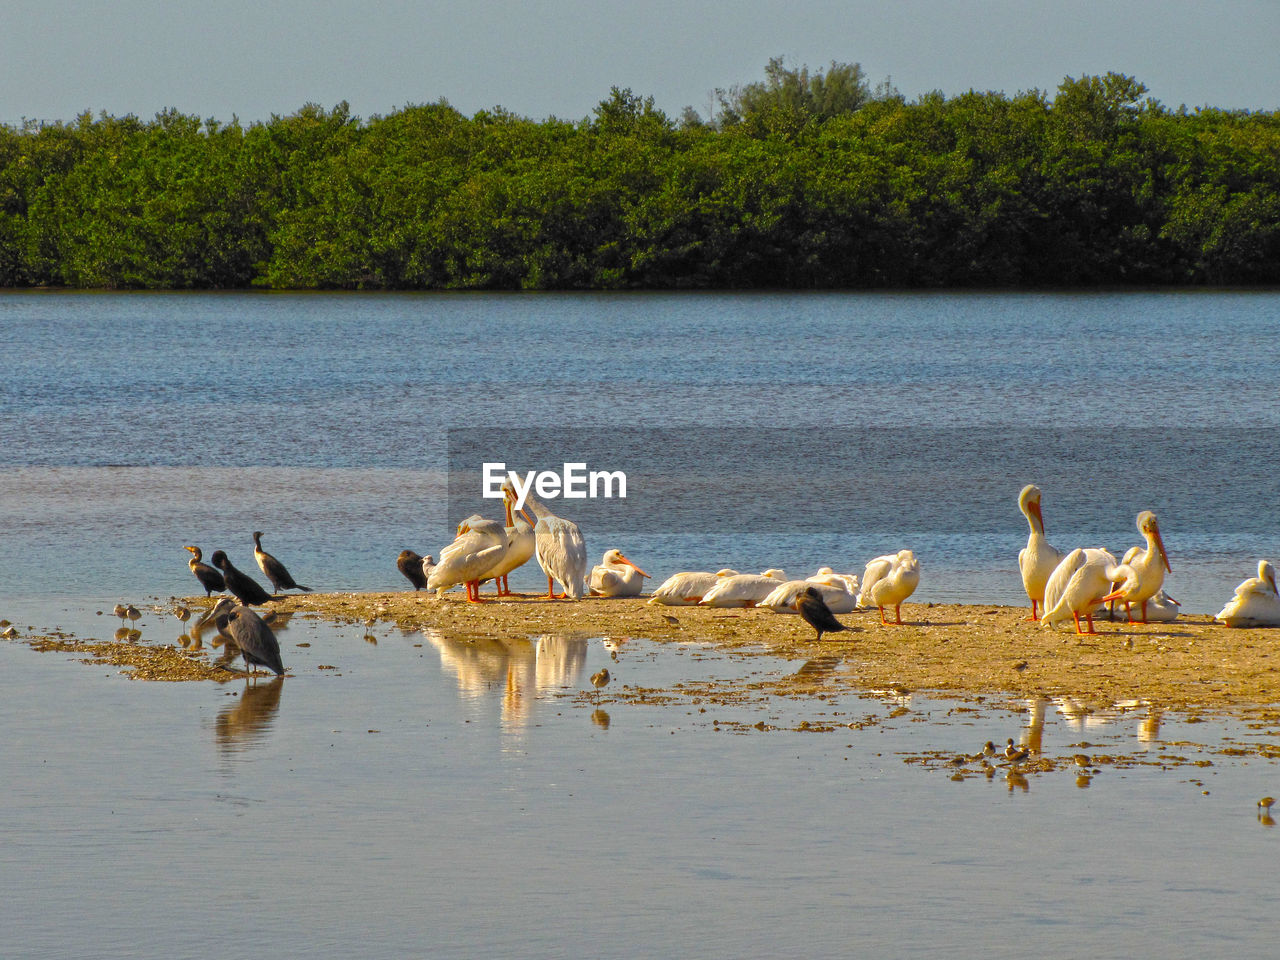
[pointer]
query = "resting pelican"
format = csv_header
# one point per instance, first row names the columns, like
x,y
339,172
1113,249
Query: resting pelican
x,y
1142,573
742,590
616,576
251,635
889,580
209,578
686,589
782,599
561,551
273,569
245,589
1256,603
410,564
521,543
1038,558
1077,585
478,547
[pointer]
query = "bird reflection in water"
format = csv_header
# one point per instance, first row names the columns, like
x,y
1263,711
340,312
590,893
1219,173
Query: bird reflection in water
x,y
518,669
818,668
600,717
247,720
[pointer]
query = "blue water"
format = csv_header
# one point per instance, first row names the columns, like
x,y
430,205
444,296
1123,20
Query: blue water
x,y
783,430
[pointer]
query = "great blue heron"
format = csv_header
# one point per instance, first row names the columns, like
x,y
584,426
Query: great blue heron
x,y
252,637
275,570
209,578
241,585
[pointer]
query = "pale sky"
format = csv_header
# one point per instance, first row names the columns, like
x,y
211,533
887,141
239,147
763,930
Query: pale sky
x,y
538,58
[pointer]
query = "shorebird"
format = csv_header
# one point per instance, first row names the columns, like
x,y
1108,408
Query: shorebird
x,y
133,613
816,613
209,578
245,589
598,680
1038,558
273,569
182,613
1015,754
121,611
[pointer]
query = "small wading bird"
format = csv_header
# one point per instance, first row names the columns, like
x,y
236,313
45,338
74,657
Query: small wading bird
x,y
1037,560
598,680
616,576
889,580
245,589
1141,574
1015,754
250,634
410,564
273,569
121,611
209,578
816,614
1256,602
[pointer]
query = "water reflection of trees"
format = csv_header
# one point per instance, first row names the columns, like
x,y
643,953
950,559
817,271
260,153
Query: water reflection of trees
x,y
518,669
246,721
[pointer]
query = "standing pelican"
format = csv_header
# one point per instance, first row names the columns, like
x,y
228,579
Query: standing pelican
x,y
479,545
209,578
616,576
889,580
1077,585
1256,603
254,639
1038,558
1142,573
245,589
410,564
273,569
816,613
521,543
561,550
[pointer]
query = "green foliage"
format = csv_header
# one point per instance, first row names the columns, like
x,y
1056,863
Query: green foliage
x,y
805,179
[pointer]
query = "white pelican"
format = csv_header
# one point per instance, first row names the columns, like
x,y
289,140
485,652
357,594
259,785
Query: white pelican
x,y
742,590
616,576
845,581
686,589
1256,603
1142,573
479,546
521,543
1161,608
1038,558
782,599
1077,585
888,580
561,551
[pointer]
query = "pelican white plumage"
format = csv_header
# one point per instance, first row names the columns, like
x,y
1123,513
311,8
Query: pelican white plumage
x,y
782,599
1077,585
479,546
521,543
743,589
1256,602
1141,575
888,581
560,549
687,588
1037,560
846,581
616,576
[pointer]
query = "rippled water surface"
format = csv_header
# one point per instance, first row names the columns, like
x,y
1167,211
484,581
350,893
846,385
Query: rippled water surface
x,y
417,794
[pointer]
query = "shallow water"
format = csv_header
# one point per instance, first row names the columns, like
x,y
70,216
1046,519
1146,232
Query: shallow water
x,y
430,796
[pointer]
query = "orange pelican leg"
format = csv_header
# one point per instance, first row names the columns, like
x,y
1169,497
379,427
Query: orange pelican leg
x,y
1076,616
897,612
882,619
1144,611
1033,618
551,593
1089,616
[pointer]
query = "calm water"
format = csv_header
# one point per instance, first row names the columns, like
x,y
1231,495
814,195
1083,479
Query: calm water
x,y
431,796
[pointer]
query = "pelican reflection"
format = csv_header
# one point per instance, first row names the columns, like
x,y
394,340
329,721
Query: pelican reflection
x,y
245,722
518,670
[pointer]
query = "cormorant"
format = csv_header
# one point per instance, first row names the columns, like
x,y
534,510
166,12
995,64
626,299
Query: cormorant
x,y
273,568
209,578
410,564
244,587
816,614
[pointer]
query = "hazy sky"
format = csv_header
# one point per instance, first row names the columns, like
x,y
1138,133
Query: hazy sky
x,y
252,58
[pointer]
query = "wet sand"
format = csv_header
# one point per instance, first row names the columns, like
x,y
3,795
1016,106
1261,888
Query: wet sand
x,y
960,651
